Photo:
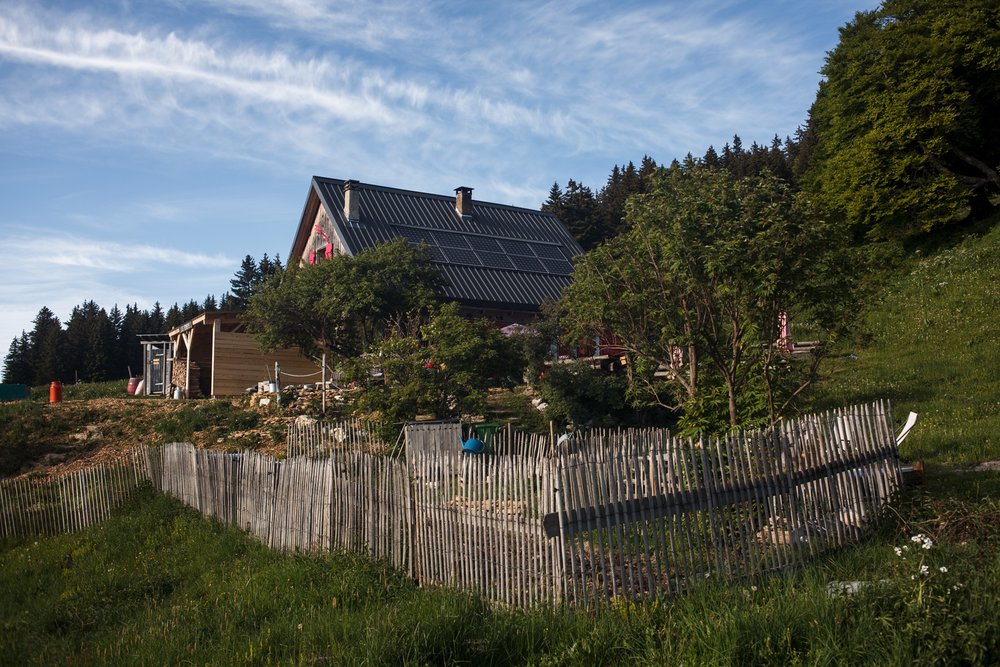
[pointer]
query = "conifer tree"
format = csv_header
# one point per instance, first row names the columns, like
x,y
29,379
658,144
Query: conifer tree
x,y
17,363
47,349
244,282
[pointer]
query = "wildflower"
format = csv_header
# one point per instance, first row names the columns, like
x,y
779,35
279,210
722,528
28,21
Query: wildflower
x,y
923,570
943,569
917,539
899,552
753,588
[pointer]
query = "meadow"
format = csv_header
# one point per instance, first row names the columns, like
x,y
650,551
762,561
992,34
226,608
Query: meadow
x,y
158,584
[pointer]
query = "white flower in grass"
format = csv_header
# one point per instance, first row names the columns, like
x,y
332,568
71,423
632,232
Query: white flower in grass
x,y
917,539
942,569
924,570
899,552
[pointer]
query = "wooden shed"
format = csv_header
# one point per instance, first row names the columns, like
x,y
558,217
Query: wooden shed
x,y
213,356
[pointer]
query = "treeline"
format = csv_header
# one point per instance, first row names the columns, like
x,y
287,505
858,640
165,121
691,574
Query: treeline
x,y
97,344
593,217
901,140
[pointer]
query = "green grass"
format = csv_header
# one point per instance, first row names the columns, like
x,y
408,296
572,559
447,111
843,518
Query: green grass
x,y
84,390
930,342
219,416
158,584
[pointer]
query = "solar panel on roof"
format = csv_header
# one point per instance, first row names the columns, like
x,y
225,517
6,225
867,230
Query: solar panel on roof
x,y
461,256
526,263
416,235
495,260
484,244
548,251
516,247
435,254
558,266
450,240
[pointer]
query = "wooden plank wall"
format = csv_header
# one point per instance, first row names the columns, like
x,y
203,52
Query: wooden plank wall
x,y
239,363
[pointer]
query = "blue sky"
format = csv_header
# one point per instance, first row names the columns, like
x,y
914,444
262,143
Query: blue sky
x,y
146,147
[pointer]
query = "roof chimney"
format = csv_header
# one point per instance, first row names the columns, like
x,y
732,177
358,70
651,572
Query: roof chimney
x,y
463,201
352,201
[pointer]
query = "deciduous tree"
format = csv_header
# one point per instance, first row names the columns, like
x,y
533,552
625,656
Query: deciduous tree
x,y
706,266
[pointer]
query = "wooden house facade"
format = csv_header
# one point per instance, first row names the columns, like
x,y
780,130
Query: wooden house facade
x,y
214,356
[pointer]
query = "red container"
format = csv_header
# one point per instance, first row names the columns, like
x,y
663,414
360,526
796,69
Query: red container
x,y
132,384
55,392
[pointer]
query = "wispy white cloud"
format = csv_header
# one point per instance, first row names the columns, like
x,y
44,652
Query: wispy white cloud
x,y
578,77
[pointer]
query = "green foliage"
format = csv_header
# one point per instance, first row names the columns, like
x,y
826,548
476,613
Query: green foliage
x,y
217,415
346,304
905,121
25,431
159,584
583,396
445,374
707,265
928,341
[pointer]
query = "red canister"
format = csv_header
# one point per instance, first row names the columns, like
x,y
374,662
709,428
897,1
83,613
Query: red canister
x,y
55,392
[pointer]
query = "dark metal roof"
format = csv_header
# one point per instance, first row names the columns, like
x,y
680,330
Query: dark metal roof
x,y
500,256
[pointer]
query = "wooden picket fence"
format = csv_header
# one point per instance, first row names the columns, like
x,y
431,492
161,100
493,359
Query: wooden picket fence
x,y
639,515
600,515
65,503
536,519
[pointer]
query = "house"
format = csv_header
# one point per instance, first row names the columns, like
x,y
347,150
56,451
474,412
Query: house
x,y
500,262
213,356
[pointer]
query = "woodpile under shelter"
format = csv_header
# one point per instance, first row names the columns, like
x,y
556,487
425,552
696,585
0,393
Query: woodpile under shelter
x,y
500,262
214,356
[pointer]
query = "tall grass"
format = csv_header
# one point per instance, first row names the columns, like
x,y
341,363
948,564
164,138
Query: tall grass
x,y
160,585
932,345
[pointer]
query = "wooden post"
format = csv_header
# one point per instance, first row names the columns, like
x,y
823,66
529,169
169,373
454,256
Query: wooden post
x,y
323,390
277,383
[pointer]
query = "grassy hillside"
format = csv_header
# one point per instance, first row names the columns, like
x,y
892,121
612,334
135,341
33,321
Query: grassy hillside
x,y
932,345
158,584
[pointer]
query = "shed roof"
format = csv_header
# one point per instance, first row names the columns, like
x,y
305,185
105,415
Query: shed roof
x,y
497,256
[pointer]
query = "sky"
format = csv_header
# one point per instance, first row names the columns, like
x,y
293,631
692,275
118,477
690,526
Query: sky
x,y
147,147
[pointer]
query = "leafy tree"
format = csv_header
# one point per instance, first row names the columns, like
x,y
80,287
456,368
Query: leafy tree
x,y
583,396
905,121
706,266
444,373
344,305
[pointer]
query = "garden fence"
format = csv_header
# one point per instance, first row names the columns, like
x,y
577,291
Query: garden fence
x,y
43,505
537,519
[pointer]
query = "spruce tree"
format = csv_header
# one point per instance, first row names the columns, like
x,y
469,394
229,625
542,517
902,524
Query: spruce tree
x,y
17,363
47,349
244,282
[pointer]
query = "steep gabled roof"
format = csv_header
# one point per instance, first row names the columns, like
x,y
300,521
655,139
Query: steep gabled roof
x,y
499,256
